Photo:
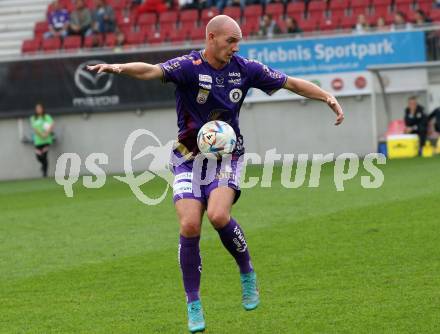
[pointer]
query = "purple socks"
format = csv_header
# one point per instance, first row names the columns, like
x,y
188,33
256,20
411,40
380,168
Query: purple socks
x,y
191,266
233,239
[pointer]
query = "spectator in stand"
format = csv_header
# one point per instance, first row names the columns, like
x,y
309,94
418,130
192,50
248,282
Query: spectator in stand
x,y
103,17
400,22
42,124
421,19
361,24
151,6
381,25
292,26
188,4
268,27
80,20
58,20
416,120
120,41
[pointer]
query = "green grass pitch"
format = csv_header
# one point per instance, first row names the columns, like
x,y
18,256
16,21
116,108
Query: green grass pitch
x,y
358,261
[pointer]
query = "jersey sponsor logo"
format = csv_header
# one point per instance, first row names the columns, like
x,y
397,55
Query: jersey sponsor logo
x,y
171,66
219,80
202,96
235,74
205,86
235,95
205,78
182,176
182,187
235,81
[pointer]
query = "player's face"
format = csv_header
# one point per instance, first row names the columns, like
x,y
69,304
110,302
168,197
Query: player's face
x,y
226,44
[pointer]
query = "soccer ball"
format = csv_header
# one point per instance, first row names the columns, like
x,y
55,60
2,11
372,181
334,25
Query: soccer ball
x,y
216,138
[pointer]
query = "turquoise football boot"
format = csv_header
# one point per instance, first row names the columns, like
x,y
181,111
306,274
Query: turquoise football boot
x,y
196,320
251,296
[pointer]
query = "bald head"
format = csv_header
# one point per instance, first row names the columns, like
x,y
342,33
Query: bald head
x,y
222,24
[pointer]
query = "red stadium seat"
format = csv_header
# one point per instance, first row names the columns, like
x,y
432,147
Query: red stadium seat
x,y
317,5
251,21
381,11
207,14
190,15
435,15
198,34
339,4
426,6
356,11
156,38
360,3
310,24
406,2
381,2
30,45
176,36
147,19
348,22
89,41
169,17
253,11
41,28
72,42
295,9
234,12
317,15
250,28
329,24
275,9
51,44
337,14
135,38
110,40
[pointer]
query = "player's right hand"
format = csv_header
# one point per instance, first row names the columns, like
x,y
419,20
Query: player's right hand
x,y
107,68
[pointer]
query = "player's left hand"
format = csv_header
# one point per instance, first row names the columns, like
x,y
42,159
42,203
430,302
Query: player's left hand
x,y
335,106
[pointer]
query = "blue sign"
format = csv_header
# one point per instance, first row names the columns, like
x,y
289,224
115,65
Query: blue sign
x,y
338,54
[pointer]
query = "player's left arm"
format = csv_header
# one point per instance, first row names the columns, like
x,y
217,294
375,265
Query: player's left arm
x,y
312,91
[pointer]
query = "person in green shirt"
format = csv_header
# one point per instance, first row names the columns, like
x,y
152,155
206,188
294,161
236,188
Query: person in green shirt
x,y
42,124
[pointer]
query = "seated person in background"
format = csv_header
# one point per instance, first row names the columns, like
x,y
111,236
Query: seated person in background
x,y
80,20
103,17
361,24
151,6
381,25
421,19
400,22
268,27
415,120
435,118
188,4
58,20
292,26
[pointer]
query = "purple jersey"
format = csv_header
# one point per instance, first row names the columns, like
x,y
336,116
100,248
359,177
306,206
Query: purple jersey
x,y
58,18
204,94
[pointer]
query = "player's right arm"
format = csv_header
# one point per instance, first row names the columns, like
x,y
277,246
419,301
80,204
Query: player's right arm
x,y
137,70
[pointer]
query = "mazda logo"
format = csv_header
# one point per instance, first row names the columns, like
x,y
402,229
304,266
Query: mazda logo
x,y
92,83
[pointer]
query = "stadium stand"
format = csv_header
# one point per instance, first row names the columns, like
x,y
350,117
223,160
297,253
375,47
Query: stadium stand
x,y
178,26
17,21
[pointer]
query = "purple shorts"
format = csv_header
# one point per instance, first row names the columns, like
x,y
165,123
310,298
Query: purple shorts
x,y
197,178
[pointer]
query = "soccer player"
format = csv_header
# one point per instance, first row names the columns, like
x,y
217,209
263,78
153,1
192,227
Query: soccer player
x,y
212,84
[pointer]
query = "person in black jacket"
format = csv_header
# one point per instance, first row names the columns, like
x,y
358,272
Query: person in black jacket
x,y
415,120
435,115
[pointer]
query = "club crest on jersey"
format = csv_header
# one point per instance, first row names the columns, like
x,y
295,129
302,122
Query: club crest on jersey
x,y
202,96
235,95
